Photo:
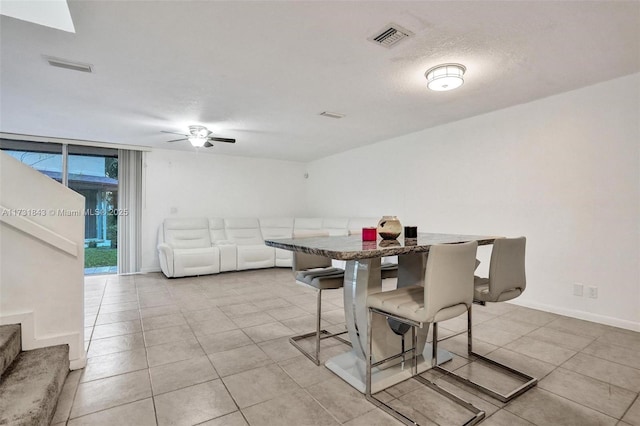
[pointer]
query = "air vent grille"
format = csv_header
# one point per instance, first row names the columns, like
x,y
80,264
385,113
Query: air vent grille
x,y
70,65
390,35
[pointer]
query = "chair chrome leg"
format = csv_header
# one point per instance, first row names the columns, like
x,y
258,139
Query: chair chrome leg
x,y
369,356
434,346
478,414
469,336
529,381
414,337
319,335
318,314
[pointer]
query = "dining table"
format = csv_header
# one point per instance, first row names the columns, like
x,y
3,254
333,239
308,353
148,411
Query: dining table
x,y
361,278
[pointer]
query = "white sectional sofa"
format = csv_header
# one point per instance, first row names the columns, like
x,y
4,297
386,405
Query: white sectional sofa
x,y
201,246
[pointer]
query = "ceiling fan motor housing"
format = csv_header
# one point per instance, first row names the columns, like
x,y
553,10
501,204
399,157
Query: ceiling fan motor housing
x,y
199,131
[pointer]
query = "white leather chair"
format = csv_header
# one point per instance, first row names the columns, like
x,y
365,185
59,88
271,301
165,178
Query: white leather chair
x,y
446,291
506,281
184,248
251,251
278,227
316,272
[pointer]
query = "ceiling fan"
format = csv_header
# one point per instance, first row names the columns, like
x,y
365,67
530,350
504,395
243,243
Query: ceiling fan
x,y
199,136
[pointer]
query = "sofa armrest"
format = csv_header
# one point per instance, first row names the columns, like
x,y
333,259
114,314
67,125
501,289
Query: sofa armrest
x,y
165,252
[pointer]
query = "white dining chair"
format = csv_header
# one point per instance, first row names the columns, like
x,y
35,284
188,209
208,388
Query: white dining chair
x,y
445,292
506,281
316,272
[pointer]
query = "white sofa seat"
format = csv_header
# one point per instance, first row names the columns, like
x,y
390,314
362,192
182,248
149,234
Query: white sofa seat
x,y
251,251
184,247
278,228
228,251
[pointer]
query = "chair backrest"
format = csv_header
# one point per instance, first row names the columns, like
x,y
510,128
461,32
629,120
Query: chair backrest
x,y
277,227
187,233
243,231
506,270
303,261
448,277
216,229
307,225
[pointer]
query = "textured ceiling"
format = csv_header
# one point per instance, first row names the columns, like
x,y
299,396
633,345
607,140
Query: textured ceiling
x,y
261,72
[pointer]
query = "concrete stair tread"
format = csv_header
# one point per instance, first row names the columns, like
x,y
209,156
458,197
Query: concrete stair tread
x,y
31,385
10,346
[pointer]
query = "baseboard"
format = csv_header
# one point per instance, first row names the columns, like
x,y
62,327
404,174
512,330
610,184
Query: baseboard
x,y
583,315
77,355
78,363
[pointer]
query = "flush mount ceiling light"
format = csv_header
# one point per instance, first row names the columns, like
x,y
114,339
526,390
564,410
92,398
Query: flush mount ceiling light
x,y
445,77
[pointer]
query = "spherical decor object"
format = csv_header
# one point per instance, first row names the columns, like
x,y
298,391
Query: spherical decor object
x,y
389,228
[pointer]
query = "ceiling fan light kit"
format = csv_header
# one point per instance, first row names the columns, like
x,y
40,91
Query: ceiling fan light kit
x,y
445,77
199,136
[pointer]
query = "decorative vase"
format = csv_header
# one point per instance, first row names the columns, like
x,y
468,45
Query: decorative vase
x,y
389,228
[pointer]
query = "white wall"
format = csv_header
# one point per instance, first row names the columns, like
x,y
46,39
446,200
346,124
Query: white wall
x,y
213,185
563,171
41,283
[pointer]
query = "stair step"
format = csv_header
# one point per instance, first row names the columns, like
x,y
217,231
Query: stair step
x,y
10,346
30,389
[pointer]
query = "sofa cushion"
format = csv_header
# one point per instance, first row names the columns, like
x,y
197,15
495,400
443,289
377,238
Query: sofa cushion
x,y
278,228
187,233
307,225
243,231
216,229
336,226
255,256
196,261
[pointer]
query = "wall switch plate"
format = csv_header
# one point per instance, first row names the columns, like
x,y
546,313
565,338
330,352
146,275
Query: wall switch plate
x,y
173,210
578,289
593,292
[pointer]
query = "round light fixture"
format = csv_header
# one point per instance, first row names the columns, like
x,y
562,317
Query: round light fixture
x,y
197,141
445,77
198,135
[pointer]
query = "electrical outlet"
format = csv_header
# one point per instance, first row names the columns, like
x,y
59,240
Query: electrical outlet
x,y
593,292
578,289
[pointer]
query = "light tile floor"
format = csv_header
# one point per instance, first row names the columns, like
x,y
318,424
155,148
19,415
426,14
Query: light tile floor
x,y
214,350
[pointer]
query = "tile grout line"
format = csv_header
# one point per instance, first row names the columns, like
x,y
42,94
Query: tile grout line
x,y
153,400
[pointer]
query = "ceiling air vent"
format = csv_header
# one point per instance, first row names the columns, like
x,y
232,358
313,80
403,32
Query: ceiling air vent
x,y
331,114
70,65
390,35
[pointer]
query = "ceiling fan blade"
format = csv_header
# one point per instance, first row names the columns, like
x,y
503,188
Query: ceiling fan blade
x,y
208,144
211,138
173,133
177,140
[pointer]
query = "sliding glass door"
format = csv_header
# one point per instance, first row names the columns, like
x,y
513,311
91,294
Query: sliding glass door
x,y
93,173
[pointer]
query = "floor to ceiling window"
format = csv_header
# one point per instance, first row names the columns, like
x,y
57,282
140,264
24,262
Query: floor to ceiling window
x,y
94,173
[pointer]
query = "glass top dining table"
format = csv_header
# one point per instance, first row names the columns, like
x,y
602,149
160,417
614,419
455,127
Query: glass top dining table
x,y
362,277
